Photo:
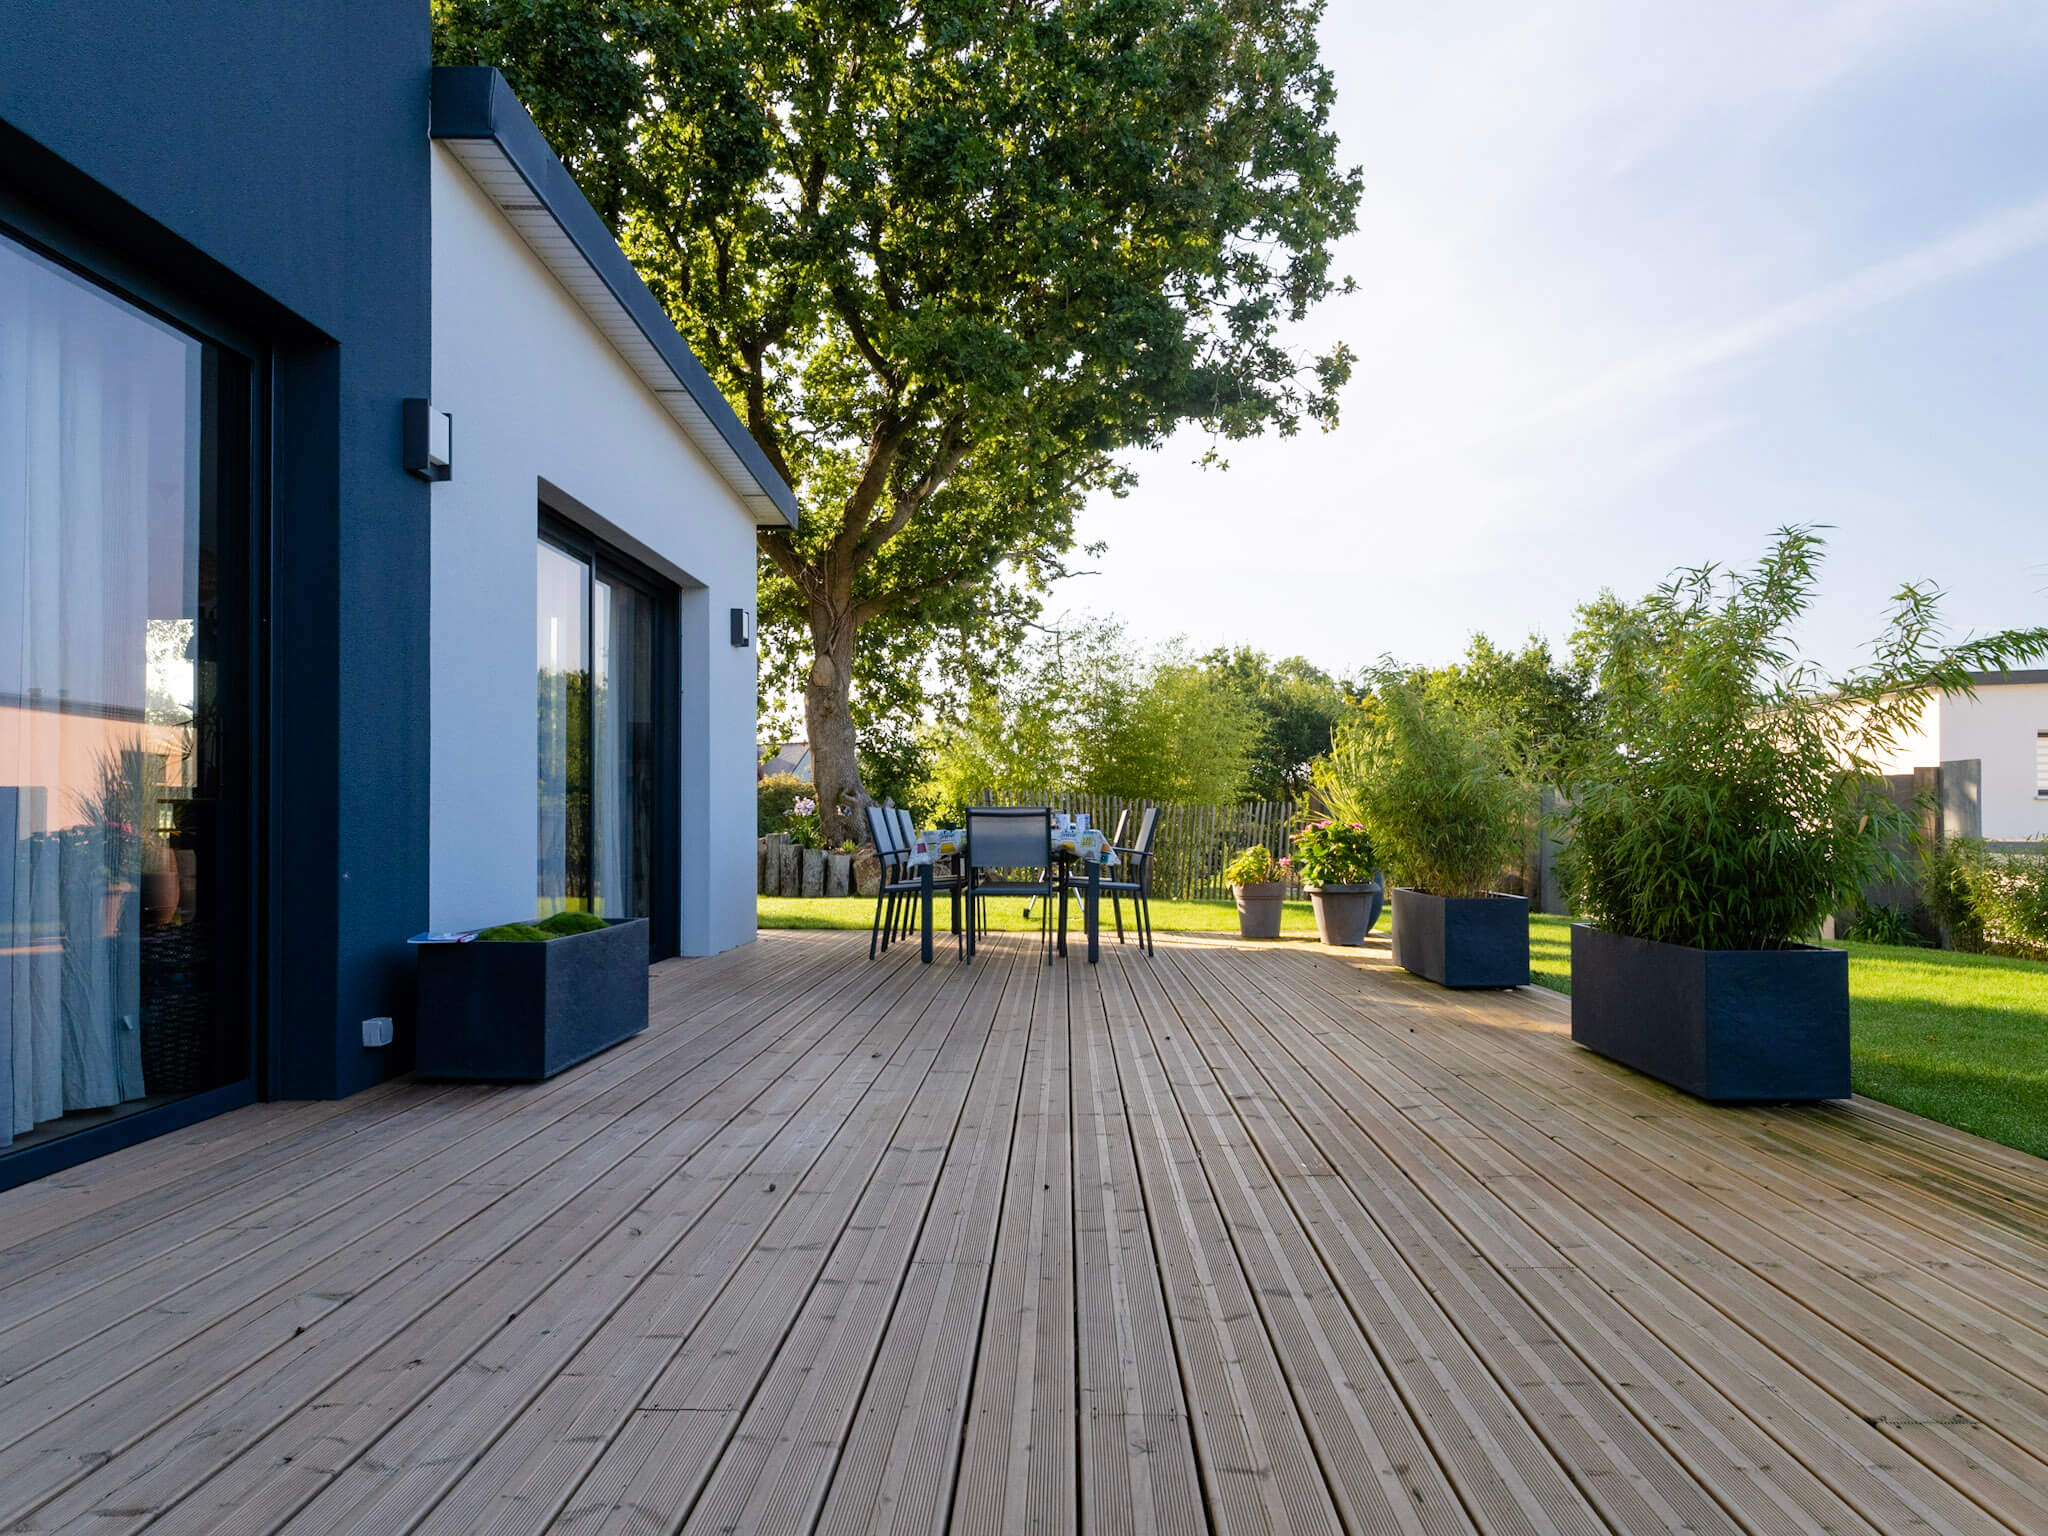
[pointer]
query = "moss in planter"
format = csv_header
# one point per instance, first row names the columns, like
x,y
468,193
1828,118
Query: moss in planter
x,y
516,933
570,922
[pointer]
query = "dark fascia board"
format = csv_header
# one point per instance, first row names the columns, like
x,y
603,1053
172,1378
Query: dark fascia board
x,y
476,102
1997,679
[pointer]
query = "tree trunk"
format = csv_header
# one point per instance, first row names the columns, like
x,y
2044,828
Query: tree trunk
x,y
835,755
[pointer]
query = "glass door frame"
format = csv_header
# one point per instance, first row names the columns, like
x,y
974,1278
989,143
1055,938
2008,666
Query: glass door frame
x,y
606,564
239,378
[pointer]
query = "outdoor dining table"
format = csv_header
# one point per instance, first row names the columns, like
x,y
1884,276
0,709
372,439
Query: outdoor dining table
x,y
1069,846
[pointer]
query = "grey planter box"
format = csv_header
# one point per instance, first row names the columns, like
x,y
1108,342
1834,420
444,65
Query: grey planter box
x,y
1462,941
1728,1025
1259,908
520,1012
1345,913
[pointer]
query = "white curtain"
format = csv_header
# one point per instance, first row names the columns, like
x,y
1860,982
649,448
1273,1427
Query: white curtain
x,y
94,406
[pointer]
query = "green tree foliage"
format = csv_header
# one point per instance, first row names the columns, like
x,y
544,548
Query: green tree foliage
x,y
1083,712
950,260
1434,784
1298,706
1545,710
1732,794
1991,901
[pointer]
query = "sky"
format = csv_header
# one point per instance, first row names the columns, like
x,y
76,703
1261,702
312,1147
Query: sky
x,y
1638,282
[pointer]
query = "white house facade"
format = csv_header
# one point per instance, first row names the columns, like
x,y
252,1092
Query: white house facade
x,y
593,566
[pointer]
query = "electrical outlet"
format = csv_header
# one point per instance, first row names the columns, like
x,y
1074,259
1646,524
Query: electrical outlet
x,y
376,1032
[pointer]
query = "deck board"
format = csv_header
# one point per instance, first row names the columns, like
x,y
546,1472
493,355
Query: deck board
x,y
1232,1238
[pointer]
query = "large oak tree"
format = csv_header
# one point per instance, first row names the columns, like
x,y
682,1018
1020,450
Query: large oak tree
x,y
949,259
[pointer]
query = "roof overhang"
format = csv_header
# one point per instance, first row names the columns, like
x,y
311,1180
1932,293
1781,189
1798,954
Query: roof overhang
x,y
476,115
2017,675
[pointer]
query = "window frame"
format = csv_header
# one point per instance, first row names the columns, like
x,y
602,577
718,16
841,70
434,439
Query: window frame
x,y
238,373
606,563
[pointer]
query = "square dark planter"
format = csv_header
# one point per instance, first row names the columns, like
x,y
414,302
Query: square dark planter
x,y
1462,941
1725,1024
523,1011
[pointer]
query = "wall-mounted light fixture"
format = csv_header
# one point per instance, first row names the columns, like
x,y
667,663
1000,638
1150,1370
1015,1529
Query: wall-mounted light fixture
x,y
429,441
742,626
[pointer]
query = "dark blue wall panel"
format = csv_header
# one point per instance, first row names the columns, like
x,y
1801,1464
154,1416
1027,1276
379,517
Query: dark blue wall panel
x,y
272,161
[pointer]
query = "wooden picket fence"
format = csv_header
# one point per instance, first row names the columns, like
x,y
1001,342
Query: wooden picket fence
x,y
1193,842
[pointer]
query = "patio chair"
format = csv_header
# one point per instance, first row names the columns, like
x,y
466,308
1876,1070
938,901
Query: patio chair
x,y
1004,839
1137,880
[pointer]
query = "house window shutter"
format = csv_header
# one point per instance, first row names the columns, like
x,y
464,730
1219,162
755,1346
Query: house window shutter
x,y
2041,764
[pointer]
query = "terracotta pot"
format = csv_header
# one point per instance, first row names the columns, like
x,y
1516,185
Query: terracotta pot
x,y
159,885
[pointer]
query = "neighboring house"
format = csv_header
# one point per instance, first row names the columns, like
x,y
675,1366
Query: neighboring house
x,y
269,702
2003,731
792,757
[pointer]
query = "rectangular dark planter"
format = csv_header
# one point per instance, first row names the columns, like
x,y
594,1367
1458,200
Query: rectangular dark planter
x,y
1462,941
524,1011
1725,1024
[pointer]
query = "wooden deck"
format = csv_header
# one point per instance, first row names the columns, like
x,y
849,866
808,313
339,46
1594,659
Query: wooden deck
x,y
1237,1239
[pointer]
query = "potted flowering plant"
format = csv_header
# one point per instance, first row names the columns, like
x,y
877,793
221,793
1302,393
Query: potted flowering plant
x,y
1337,867
1259,882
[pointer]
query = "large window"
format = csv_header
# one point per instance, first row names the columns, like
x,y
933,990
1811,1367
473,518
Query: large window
x,y
122,441
606,736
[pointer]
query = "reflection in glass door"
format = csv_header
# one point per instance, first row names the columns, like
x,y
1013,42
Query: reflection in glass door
x,y
604,758
119,440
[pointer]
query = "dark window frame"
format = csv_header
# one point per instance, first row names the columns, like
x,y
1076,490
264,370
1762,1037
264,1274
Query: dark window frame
x,y
238,367
607,563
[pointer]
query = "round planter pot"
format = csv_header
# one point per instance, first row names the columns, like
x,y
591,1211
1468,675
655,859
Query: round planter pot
x,y
1345,913
1258,909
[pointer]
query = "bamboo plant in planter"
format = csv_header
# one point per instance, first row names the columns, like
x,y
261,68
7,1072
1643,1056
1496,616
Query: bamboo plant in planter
x,y
1259,883
1436,789
1730,800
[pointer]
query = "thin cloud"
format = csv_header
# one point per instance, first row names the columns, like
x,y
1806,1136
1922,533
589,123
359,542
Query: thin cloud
x,y
1986,243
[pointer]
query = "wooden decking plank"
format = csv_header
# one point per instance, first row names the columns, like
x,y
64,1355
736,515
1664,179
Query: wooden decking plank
x,y
218,1422
784,1450
1258,1461
105,1200
394,1471
1732,1264
1603,1269
1712,1470
663,1187
111,1246
1853,1344
1506,1475
1799,1196
445,1189
1017,1467
902,1452
1374,1455
1137,1453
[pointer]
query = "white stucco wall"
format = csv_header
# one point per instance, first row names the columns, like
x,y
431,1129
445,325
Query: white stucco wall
x,y
1998,728
535,393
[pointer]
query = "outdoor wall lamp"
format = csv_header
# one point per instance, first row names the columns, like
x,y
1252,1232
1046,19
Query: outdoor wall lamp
x,y
429,441
742,627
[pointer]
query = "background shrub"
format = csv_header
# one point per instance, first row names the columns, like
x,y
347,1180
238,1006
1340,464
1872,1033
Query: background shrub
x,y
777,793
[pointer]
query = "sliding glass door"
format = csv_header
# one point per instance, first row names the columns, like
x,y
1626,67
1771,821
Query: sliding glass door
x,y
123,522
607,750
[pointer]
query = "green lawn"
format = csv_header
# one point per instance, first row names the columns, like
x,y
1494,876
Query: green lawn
x,y
1167,916
1962,1039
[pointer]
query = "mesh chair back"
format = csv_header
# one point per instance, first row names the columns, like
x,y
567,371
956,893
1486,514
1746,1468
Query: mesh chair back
x,y
882,823
906,829
1123,822
1148,823
1008,837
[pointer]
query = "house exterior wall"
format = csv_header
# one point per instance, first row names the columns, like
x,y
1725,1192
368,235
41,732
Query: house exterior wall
x,y
1998,728
537,394
266,165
